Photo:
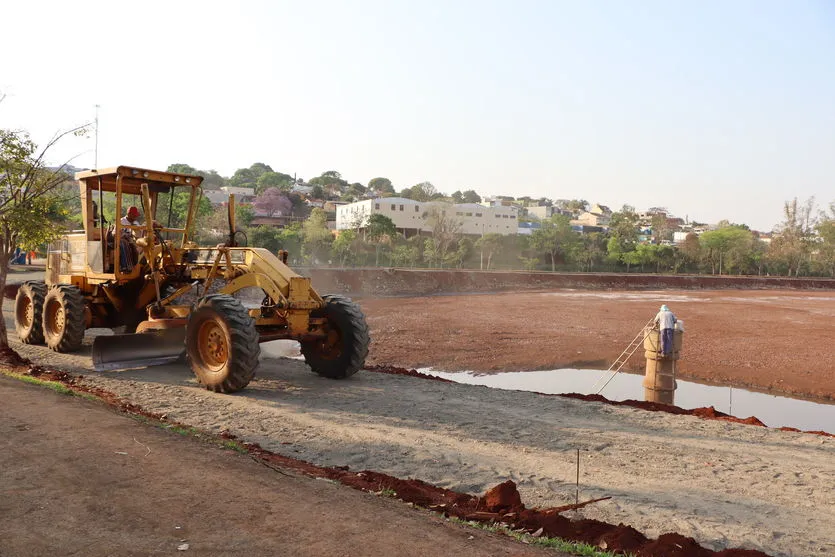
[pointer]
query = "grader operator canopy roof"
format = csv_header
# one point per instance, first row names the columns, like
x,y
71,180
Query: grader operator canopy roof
x,y
133,178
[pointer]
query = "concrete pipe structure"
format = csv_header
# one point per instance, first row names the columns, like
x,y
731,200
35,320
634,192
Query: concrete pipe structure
x,y
660,378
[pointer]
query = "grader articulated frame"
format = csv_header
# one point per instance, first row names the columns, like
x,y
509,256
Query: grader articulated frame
x,y
174,297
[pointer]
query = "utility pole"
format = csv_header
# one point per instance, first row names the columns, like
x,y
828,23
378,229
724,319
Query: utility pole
x,y
96,159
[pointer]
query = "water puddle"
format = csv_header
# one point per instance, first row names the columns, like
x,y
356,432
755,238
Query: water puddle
x,y
773,411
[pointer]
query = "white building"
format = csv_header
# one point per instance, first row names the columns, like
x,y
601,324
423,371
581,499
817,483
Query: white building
x,y
238,192
408,215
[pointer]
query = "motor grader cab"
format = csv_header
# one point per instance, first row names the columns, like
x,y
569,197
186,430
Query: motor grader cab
x,y
174,297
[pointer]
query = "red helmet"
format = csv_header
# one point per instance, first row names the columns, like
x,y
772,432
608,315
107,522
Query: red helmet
x,y
133,213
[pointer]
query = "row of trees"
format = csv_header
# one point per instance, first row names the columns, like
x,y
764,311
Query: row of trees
x,y
806,246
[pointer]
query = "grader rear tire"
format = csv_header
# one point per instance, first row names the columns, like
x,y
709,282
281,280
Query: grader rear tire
x,y
28,312
342,353
222,344
63,318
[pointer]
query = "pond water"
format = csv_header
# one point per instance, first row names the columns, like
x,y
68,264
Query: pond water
x,y
773,411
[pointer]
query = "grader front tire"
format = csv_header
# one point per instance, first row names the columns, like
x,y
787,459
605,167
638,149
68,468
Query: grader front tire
x,y
222,344
28,312
63,318
342,353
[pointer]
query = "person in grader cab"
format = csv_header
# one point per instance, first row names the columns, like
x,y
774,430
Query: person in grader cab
x,y
127,250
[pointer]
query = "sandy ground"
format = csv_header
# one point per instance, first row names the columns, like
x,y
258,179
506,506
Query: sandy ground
x,y
773,340
78,479
726,485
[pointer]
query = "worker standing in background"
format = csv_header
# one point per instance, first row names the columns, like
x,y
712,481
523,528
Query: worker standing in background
x,y
666,322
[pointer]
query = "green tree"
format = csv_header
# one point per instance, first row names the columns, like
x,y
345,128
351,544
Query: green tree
x,y
490,244
793,241
555,238
470,196
243,177
423,192
623,236
726,248
405,255
267,180
29,214
264,236
445,232
345,246
661,229
381,232
182,168
589,251
463,251
316,238
244,215
381,186
826,247
691,250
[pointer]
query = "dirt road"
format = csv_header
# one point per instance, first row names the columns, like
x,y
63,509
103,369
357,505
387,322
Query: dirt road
x,y
79,479
776,340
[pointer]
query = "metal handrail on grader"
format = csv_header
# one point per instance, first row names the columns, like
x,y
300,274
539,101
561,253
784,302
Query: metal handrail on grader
x,y
137,277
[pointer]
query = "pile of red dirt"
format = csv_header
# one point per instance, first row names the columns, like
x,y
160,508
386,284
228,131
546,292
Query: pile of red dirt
x,y
500,505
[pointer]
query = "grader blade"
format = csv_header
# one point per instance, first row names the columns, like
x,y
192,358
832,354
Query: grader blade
x,y
138,350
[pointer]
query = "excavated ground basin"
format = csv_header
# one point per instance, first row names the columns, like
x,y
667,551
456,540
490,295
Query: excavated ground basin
x,y
773,411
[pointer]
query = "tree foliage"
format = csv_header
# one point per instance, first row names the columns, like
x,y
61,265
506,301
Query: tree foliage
x,y
316,238
30,211
273,202
555,238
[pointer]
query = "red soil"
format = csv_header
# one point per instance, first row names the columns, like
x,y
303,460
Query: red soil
x,y
776,341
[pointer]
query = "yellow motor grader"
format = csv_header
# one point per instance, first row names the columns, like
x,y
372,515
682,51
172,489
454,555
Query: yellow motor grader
x,y
174,297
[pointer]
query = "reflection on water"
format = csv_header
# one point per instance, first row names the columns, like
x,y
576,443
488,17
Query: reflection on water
x,y
773,411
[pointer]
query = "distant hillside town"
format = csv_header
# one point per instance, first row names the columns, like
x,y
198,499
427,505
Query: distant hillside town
x,y
327,220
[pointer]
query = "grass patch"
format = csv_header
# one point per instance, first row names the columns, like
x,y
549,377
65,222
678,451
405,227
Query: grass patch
x,y
387,492
59,388
185,431
566,546
234,446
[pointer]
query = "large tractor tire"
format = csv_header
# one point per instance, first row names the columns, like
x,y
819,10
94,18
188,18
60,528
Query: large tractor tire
x,y
63,318
342,353
222,344
28,312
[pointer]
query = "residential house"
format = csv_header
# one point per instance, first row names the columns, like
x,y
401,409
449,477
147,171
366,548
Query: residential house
x,y
216,197
599,209
241,194
587,218
544,212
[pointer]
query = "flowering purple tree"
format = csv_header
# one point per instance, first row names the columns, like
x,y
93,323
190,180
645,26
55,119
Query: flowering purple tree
x,y
273,202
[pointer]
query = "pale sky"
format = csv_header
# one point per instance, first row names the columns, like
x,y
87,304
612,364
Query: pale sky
x,y
714,109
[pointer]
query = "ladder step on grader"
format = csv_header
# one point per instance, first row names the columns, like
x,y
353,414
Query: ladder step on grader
x,y
171,298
